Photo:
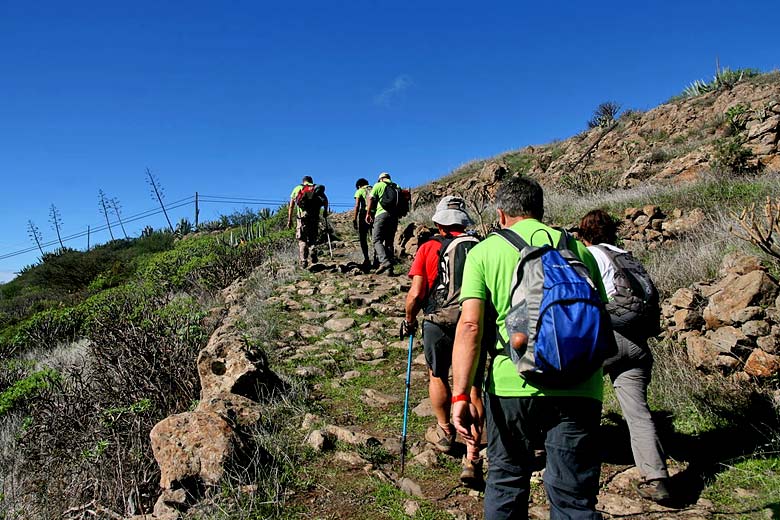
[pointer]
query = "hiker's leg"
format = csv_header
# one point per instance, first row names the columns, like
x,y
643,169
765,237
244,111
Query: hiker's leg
x,y
631,391
363,229
508,483
303,247
380,232
312,236
392,228
437,346
571,477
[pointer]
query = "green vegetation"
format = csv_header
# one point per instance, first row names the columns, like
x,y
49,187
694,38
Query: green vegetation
x,y
605,115
26,389
748,489
732,157
724,78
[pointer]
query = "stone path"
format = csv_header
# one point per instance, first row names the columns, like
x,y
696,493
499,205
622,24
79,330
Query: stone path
x,y
345,323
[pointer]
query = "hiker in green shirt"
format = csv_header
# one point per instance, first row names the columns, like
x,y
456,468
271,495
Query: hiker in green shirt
x,y
520,414
363,191
307,199
385,225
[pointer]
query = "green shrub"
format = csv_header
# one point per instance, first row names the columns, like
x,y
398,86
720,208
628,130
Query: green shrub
x,y
605,115
724,79
732,157
25,390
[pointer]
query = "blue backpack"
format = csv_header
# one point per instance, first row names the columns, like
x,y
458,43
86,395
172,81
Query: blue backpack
x,y
559,329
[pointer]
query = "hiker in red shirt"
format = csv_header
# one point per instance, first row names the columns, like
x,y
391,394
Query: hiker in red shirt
x,y
436,274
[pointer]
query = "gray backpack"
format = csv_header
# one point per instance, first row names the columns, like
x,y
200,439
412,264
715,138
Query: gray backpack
x,y
635,307
442,306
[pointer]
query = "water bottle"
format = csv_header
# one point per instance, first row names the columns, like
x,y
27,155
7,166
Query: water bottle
x,y
517,326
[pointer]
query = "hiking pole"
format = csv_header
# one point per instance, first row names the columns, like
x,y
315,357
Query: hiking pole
x,y
327,234
406,402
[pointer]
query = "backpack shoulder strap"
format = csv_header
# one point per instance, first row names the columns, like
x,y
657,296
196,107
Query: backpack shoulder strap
x,y
512,237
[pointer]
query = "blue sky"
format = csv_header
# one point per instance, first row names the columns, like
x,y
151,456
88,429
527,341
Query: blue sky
x,y
242,98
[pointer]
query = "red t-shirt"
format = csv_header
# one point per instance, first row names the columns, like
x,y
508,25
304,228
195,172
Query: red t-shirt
x,y
426,262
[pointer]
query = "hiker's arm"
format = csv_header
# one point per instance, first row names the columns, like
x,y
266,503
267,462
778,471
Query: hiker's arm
x,y
465,356
289,213
369,207
356,211
415,298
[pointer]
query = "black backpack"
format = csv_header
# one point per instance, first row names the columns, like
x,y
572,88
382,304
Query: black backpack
x,y
635,307
395,200
311,198
442,306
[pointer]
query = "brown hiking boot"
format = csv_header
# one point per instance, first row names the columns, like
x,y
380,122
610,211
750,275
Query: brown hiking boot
x,y
387,267
440,439
471,475
654,490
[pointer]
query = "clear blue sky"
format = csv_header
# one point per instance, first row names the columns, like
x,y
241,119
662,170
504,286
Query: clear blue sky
x,y
242,98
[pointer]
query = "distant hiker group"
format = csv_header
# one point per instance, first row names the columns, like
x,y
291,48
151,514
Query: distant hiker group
x,y
525,322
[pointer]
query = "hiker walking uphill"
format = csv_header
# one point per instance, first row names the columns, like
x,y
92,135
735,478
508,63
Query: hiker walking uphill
x,y
390,204
307,199
363,191
436,277
635,313
557,400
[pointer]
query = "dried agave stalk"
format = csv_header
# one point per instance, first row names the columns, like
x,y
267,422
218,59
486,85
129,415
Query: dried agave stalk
x,y
761,230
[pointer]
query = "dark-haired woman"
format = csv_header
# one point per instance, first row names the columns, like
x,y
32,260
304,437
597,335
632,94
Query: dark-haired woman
x,y
363,189
630,369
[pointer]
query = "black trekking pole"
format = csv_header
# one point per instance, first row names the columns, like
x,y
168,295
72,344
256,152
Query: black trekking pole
x,y
406,402
327,234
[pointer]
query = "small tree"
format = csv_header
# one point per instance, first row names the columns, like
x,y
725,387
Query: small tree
x,y
605,115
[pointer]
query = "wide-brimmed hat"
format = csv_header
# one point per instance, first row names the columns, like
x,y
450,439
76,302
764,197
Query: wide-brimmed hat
x,y
384,175
451,211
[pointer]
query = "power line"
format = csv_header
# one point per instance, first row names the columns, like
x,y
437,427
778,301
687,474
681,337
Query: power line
x,y
218,199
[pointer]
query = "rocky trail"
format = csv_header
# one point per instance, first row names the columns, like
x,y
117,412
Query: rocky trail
x,y
342,337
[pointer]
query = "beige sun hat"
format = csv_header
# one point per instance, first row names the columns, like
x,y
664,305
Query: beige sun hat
x,y
384,175
451,211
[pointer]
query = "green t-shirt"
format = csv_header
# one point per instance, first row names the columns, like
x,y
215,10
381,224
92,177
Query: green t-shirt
x,y
488,273
362,197
294,194
376,193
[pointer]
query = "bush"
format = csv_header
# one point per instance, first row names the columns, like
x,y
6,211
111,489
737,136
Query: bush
x,y
605,115
732,157
88,433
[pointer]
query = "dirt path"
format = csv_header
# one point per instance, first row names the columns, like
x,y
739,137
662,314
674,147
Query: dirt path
x,y
343,338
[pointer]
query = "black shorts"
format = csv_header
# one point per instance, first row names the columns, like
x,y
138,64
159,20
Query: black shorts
x,y
437,345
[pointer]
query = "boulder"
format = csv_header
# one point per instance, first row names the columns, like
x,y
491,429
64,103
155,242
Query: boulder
x,y
236,409
683,298
229,365
755,288
191,447
739,263
685,224
339,324
762,364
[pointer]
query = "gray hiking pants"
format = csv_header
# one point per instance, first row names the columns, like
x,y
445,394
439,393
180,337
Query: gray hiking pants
x,y
385,227
630,377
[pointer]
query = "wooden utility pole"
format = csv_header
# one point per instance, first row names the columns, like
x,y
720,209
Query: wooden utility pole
x,y
87,237
197,210
105,212
157,190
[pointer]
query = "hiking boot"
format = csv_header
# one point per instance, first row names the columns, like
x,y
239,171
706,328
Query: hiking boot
x,y
471,475
440,439
387,267
314,257
303,263
654,490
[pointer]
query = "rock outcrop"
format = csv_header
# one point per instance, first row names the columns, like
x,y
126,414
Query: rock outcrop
x,y
731,325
